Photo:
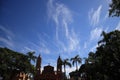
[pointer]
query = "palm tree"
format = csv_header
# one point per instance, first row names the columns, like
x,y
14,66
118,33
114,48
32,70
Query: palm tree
x,y
65,63
76,60
31,56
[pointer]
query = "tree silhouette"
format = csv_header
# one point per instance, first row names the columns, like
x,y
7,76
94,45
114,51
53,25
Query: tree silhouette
x,y
65,63
12,63
104,64
114,8
109,49
31,56
76,60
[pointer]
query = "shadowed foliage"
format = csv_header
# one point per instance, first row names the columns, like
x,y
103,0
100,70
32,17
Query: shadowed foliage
x,y
114,8
65,63
76,60
104,64
12,63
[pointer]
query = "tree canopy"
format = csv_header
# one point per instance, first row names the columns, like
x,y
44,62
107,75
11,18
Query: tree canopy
x,y
104,64
11,63
114,8
76,60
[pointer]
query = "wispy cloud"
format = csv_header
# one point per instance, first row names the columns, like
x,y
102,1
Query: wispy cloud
x,y
60,14
66,37
7,42
7,39
44,43
28,49
73,41
118,26
94,15
108,1
106,16
95,33
44,48
6,31
40,47
95,36
85,45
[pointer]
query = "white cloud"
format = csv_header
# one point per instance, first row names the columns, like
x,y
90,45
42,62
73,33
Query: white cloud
x,y
94,16
62,16
41,47
33,44
85,45
118,26
106,15
44,49
6,31
108,1
95,34
7,39
73,41
28,49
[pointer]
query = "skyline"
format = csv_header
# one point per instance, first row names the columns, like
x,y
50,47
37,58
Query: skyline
x,y
54,27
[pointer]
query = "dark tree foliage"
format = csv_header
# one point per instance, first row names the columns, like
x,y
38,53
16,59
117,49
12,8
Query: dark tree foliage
x,y
104,64
108,55
76,60
11,63
114,8
65,63
74,74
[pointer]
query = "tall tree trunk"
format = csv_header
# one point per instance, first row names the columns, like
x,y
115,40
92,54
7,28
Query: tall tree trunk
x,y
64,69
76,66
64,72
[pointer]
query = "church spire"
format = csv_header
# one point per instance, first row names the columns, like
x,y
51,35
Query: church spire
x,y
59,64
38,65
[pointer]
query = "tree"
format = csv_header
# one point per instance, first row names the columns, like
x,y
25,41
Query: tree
x,y
12,63
104,64
88,69
65,63
31,56
109,49
114,8
76,60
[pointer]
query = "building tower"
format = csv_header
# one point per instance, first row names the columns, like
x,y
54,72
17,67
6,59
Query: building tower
x,y
59,64
38,65
59,69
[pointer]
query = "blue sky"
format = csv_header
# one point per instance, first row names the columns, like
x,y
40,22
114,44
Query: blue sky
x,y
54,27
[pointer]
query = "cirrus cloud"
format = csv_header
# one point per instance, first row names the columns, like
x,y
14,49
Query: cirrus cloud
x,y
7,39
61,15
94,16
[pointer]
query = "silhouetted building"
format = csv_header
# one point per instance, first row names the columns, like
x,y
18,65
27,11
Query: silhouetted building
x,y
38,66
48,72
